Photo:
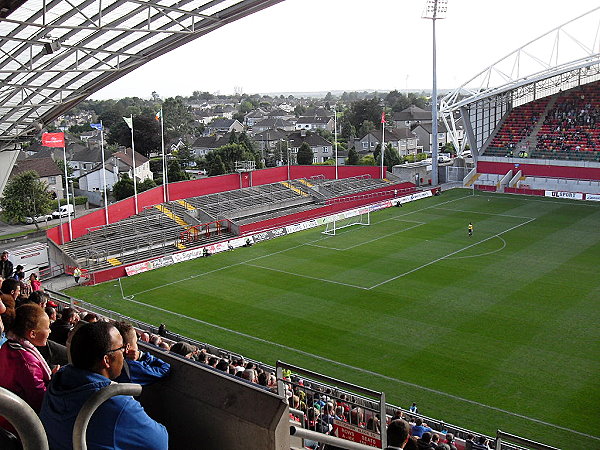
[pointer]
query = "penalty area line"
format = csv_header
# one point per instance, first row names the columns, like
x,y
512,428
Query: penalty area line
x,y
363,371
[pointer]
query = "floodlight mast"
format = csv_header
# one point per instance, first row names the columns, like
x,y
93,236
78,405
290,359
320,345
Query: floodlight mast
x,y
434,9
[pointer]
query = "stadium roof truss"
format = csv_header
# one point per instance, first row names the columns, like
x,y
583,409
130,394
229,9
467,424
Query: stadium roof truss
x,y
563,58
55,53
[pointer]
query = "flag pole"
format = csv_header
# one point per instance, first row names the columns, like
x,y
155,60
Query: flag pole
x,y
382,141
164,162
335,140
67,189
133,161
104,172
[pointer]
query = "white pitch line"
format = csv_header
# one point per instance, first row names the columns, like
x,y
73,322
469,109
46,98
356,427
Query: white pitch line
x,y
191,277
449,254
307,276
365,371
483,254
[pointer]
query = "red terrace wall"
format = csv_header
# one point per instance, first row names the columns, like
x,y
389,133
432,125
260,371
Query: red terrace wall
x,y
485,187
319,212
184,189
540,170
524,191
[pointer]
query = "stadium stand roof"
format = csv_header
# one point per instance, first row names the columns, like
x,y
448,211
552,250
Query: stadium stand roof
x,y
564,57
56,53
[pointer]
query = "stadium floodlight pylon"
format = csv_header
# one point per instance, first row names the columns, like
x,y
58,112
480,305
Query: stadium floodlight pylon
x,y
331,228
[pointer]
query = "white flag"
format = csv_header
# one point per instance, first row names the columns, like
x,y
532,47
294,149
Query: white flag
x,y
129,122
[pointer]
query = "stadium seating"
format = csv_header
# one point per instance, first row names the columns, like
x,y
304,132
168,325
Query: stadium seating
x,y
562,126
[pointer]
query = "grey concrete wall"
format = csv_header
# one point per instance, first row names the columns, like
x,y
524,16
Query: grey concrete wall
x,y
205,409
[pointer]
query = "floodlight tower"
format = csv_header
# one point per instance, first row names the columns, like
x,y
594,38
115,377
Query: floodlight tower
x,y
434,9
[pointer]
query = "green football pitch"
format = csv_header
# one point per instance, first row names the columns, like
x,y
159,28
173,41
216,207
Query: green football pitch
x,y
500,330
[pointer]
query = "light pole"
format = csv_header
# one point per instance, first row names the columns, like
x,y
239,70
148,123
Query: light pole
x,y
335,140
434,9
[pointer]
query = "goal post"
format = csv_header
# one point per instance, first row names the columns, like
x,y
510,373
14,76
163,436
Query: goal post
x,y
337,224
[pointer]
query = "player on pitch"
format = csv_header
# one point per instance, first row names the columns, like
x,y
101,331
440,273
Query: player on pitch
x,y
470,229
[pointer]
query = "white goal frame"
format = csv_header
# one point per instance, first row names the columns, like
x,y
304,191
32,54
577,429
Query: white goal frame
x,y
363,219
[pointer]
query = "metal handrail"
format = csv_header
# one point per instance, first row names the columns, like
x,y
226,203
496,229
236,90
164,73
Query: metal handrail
x,y
512,438
24,419
92,403
326,439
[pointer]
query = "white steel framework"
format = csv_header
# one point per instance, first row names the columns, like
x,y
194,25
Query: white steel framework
x,y
564,57
55,53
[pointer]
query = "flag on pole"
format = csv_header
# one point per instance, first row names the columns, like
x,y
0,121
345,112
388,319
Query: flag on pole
x,y
383,117
96,126
53,139
129,122
158,115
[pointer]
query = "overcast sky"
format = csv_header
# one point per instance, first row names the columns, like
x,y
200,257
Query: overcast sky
x,y
337,45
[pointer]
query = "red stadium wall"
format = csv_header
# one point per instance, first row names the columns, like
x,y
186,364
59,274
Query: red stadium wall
x,y
524,191
185,189
540,170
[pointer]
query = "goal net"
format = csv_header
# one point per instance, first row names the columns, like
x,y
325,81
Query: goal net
x,y
339,223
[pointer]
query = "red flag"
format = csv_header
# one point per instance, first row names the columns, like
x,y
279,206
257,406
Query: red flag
x,y
53,139
383,117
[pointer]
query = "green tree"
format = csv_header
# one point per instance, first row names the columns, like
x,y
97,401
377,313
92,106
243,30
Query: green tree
x,y
352,157
148,183
364,110
348,130
299,110
146,133
25,196
178,119
366,127
185,156
123,188
305,155
214,164
175,172
367,160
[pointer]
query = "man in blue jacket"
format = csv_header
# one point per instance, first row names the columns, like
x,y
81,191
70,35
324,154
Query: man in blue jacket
x,y
140,367
97,354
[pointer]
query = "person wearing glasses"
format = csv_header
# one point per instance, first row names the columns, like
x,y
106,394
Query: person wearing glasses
x,y
97,357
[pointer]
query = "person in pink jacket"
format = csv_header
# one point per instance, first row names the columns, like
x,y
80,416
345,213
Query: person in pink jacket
x,y
24,370
36,284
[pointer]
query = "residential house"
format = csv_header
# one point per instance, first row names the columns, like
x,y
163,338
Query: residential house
x,y
46,168
410,117
425,135
267,140
312,123
282,114
254,116
82,158
204,144
123,162
93,180
322,149
402,140
222,126
272,124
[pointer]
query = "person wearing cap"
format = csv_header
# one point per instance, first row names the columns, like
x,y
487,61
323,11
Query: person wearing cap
x,y
6,266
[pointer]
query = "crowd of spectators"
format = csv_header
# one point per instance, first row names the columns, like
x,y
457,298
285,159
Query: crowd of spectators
x,y
56,359
571,125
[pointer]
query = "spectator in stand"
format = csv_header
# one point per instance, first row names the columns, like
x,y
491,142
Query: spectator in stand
x,y
411,444
419,428
36,284
186,350
97,351
165,346
2,311
155,340
397,415
435,439
424,443
374,424
481,443
9,292
24,370
6,266
139,367
450,441
91,317
51,313
145,337
39,297
469,441
397,434
61,328
19,274
413,408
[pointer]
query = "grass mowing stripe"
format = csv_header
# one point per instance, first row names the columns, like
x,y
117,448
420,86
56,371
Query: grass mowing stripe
x,y
365,371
